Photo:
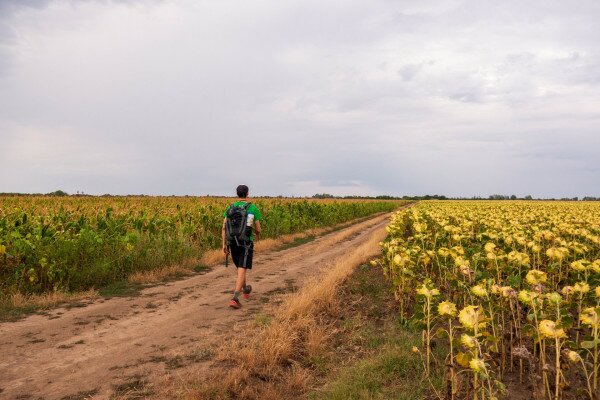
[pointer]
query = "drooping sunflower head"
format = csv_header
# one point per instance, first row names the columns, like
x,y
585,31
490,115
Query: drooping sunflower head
x,y
554,298
573,356
590,316
479,291
556,253
466,271
536,277
477,365
581,287
443,252
468,341
567,291
549,330
518,258
489,247
508,292
471,317
460,261
428,292
596,266
528,297
580,265
446,308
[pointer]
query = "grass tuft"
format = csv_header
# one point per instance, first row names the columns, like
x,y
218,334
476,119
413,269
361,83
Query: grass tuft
x,y
134,388
299,241
18,305
392,372
121,289
83,395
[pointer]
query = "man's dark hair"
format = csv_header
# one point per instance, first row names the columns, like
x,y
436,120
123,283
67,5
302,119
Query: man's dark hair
x,y
242,191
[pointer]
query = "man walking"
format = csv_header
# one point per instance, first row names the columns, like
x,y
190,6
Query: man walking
x,y
241,224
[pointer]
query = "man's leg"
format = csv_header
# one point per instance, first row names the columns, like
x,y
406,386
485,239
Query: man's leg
x,y
247,263
248,255
245,277
244,259
240,282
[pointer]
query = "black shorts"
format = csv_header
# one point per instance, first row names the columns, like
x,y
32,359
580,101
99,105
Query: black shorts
x,y
237,254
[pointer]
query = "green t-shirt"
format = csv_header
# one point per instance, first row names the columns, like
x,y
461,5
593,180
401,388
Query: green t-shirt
x,y
252,210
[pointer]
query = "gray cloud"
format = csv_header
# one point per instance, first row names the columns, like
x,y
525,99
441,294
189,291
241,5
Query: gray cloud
x,y
7,6
172,97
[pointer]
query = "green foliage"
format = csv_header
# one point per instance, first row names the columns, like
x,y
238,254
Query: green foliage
x,y
50,243
58,193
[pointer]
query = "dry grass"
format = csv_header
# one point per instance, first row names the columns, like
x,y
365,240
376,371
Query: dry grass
x,y
316,339
14,306
273,362
162,274
49,300
319,292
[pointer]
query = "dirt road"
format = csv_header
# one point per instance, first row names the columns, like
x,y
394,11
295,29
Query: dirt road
x,y
144,344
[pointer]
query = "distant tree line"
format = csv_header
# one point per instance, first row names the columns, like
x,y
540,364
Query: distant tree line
x,y
59,193
55,193
330,196
443,197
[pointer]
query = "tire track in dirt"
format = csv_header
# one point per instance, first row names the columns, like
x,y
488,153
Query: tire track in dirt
x,y
115,346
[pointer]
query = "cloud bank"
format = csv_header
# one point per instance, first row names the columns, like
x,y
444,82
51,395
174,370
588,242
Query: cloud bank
x,y
356,97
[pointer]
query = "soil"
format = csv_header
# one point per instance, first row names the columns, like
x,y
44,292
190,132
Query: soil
x,y
138,346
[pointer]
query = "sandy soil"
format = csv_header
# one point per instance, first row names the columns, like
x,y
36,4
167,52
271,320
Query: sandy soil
x,y
146,343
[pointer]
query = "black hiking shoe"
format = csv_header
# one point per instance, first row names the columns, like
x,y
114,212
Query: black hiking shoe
x,y
235,303
247,291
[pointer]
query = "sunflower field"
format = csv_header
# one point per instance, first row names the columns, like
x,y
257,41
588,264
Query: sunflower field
x,y
509,288
78,242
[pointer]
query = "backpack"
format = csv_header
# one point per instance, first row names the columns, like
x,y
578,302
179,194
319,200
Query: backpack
x,y
236,227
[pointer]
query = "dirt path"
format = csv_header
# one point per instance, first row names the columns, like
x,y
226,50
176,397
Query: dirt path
x,y
145,343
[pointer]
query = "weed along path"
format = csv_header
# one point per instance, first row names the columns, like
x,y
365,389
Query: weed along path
x,y
133,347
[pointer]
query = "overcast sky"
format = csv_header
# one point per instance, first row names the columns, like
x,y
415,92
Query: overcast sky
x,y
299,97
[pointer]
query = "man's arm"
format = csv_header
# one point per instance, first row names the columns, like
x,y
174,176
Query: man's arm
x,y
257,229
223,237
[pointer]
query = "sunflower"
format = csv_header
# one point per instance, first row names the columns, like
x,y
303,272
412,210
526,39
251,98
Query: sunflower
x,y
427,292
580,265
567,291
447,308
508,292
479,291
589,316
468,341
581,287
554,298
471,316
489,247
477,365
536,277
527,297
548,329
573,356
